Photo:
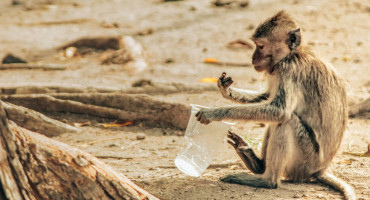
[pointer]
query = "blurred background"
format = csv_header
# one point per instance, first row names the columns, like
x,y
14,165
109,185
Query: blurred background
x,y
114,43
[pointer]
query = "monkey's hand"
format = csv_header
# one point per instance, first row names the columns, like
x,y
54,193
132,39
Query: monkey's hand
x,y
237,142
224,83
206,115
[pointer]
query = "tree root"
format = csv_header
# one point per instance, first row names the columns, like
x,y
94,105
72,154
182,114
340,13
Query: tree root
x,y
111,105
36,121
36,167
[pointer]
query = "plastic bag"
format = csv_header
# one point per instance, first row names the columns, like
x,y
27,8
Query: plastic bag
x,y
204,142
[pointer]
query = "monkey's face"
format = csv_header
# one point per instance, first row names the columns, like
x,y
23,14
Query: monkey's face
x,y
268,53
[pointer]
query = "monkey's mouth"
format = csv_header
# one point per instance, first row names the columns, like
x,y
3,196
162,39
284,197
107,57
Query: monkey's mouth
x,y
258,68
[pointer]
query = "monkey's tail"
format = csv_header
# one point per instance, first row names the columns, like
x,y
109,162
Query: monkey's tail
x,y
338,184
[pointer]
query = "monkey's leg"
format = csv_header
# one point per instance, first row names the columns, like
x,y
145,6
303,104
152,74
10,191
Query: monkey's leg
x,y
247,154
247,179
278,150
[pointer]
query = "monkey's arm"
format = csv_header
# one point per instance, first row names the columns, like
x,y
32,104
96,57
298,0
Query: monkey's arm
x,y
278,110
238,95
263,113
245,96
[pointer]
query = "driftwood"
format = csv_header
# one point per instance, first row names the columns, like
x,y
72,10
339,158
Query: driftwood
x,y
31,66
36,121
361,109
116,106
98,43
33,166
149,87
139,87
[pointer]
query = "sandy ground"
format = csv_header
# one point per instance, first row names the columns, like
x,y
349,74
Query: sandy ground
x,y
186,32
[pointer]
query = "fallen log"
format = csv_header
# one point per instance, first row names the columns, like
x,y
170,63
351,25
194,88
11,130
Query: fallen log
x,y
33,166
139,87
361,110
31,66
116,106
36,121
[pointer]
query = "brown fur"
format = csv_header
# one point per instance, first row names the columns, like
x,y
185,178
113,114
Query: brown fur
x,y
305,105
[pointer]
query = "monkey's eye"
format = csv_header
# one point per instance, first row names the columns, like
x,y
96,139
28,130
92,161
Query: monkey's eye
x,y
260,47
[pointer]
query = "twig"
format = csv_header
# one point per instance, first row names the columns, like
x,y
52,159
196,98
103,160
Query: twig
x,y
366,154
211,166
217,62
31,66
114,157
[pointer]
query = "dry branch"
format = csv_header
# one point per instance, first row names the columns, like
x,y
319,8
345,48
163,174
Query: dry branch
x,y
150,87
45,89
211,166
33,166
36,121
31,66
116,106
99,43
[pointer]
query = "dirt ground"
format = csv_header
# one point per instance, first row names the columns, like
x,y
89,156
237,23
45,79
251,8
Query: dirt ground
x,y
177,37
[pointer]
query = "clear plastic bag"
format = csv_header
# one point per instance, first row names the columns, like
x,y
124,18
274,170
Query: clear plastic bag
x,y
204,142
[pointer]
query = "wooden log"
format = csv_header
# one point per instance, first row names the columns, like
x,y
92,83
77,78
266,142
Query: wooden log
x,y
361,110
116,106
139,87
31,66
36,167
36,121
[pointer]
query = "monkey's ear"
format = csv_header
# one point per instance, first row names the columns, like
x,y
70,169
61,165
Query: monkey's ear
x,y
294,38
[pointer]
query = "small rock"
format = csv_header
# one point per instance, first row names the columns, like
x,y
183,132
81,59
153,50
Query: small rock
x,y
179,133
244,4
169,60
15,2
10,58
193,8
113,145
250,27
296,196
141,136
234,167
148,31
81,161
71,52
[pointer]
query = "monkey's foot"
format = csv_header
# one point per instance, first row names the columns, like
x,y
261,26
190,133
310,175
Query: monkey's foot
x,y
248,179
236,141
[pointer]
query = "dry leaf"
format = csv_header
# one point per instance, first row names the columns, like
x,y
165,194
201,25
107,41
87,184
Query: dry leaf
x,y
348,162
366,154
346,58
82,124
209,80
117,124
211,60
240,44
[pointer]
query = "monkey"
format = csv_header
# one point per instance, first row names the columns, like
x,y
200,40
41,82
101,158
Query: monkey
x,y
304,105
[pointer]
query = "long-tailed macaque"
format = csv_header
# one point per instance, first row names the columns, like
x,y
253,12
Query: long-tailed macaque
x,y
304,104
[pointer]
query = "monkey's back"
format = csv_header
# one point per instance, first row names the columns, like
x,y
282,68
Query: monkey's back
x,y
325,101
